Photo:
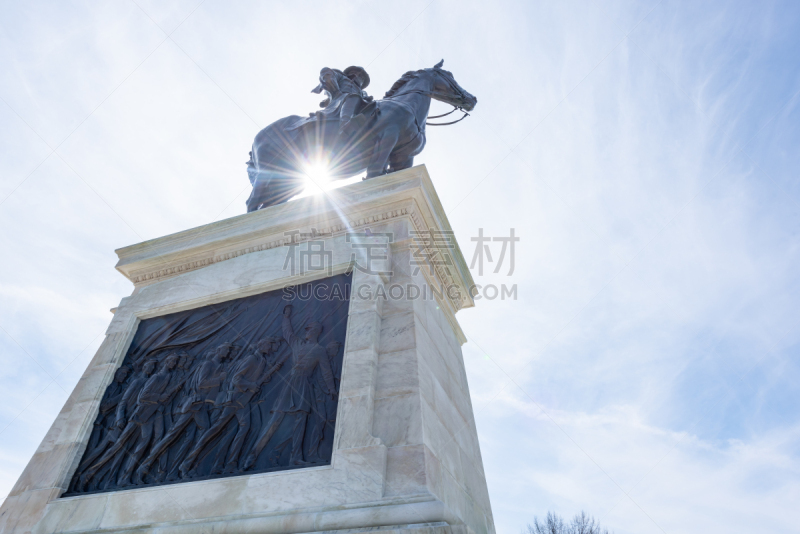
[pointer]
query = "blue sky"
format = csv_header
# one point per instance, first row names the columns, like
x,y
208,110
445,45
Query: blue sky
x,y
645,152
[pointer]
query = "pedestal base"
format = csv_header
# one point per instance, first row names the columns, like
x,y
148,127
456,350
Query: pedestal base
x,y
405,454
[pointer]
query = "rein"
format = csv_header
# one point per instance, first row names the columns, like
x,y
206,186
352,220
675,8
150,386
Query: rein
x,y
432,94
455,108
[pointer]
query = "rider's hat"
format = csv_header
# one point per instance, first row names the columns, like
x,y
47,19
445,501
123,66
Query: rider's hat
x,y
360,72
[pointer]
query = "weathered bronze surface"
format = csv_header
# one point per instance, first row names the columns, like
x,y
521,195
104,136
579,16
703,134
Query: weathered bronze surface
x,y
352,134
246,385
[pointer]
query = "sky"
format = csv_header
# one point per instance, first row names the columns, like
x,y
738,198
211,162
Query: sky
x,y
645,153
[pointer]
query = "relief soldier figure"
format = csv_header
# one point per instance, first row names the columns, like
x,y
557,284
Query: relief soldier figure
x,y
297,395
324,411
126,398
184,373
105,424
202,388
177,380
247,377
141,422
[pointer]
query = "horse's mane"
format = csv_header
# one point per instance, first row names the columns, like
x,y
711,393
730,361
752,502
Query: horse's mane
x,y
404,79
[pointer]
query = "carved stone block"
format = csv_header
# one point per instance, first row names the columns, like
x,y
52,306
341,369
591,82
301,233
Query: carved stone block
x,y
213,406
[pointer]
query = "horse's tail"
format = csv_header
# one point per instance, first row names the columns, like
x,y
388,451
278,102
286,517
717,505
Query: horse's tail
x,y
271,184
252,173
271,167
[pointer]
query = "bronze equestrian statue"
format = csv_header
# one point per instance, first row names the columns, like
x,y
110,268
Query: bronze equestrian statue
x,y
353,133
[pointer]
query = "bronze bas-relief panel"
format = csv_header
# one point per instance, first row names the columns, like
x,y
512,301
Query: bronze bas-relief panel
x,y
245,386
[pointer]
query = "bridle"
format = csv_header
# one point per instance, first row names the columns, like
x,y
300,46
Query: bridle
x,y
444,95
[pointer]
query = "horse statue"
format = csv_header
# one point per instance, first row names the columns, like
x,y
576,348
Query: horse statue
x,y
352,134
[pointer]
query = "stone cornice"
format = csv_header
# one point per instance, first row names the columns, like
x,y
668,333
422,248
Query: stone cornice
x,y
408,194
149,276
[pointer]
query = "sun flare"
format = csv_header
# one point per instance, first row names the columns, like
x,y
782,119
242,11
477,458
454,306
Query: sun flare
x,y
317,175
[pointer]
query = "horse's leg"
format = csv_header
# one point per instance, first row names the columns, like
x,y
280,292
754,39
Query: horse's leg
x,y
384,145
400,164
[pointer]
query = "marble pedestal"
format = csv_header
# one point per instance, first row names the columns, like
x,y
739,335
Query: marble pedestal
x,y
405,456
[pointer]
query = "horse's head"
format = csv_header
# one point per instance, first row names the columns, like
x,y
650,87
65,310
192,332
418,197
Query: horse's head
x,y
446,89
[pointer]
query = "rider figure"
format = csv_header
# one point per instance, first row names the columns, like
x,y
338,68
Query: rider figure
x,y
346,95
